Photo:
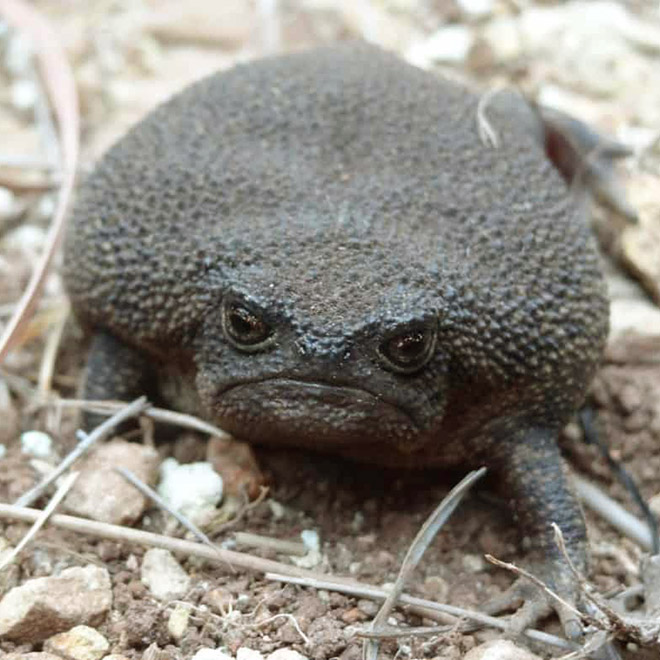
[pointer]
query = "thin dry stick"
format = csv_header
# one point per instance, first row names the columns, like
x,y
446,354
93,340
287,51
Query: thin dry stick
x,y
157,414
273,570
99,433
417,549
60,84
159,501
41,520
487,133
216,554
427,608
521,572
602,504
282,615
279,545
586,590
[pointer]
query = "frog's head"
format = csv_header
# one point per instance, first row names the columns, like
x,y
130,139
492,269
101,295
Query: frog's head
x,y
338,348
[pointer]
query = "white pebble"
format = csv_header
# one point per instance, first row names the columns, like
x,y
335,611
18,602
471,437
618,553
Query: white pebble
x,y
312,542
477,8
163,575
7,201
211,654
451,43
37,444
24,94
311,539
286,654
3,451
193,489
245,653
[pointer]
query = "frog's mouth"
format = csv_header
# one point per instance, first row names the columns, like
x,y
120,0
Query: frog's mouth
x,y
316,414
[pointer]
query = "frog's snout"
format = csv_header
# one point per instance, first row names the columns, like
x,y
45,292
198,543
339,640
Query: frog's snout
x,y
295,412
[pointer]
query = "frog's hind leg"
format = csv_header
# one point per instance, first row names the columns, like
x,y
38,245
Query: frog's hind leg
x,y
585,159
530,472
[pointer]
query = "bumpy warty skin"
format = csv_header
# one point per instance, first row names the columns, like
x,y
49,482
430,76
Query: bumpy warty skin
x,y
344,193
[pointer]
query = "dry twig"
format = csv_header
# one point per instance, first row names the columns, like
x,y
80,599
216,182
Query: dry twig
x,y
41,519
60,84
417,549
611,511
156,414
279,545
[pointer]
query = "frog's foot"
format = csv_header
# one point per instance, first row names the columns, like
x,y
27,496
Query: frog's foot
x,y
586,159
531,605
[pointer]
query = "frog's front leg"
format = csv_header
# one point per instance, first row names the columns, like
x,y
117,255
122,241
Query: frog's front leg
x,y
531,474
115,371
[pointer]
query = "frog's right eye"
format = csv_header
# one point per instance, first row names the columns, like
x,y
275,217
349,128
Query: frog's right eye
x,y
244,327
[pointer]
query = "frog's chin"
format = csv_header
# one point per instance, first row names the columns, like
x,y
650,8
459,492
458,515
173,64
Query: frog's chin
x,y
312,414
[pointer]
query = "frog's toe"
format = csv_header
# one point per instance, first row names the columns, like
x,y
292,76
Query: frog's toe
x,y
531,605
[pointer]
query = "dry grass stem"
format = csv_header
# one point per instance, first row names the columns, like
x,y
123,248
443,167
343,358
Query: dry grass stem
x,y
64,488
417,548
521,572
392,632
283,615
100,433
216,555
59,81
156,414
611,511
268,542
487,133
215,528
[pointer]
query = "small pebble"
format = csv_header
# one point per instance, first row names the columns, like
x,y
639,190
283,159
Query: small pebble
x,y
3,451
499,649
177,624
245,653
477,8
211,654
474,563
163,575
37,444
312,542
193,489
276,509
79,643
451,44
24,94
7,202
286,654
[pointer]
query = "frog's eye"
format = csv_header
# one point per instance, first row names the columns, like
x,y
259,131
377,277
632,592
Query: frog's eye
x,y
244,328
408,351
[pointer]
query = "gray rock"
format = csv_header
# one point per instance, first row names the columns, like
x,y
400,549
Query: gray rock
x,y
45,606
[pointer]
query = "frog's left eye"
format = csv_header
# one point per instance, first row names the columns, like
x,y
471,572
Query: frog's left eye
x,y
408,351
244,327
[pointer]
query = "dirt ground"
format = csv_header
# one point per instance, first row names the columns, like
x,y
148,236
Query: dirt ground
x,y
597,60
